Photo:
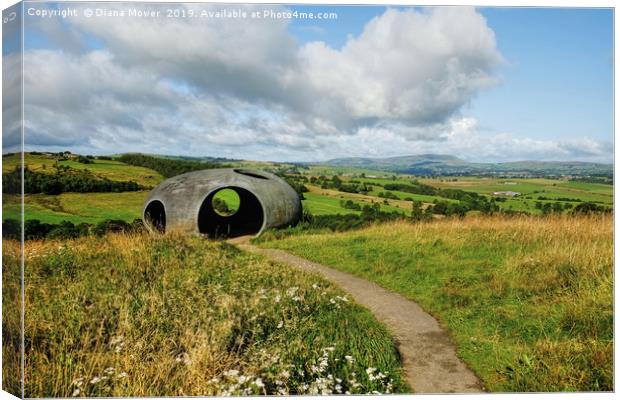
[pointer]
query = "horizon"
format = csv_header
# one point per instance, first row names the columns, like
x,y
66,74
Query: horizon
x,y
316,161
376,82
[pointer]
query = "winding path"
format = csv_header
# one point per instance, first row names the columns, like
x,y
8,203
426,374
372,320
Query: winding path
x,y
430,361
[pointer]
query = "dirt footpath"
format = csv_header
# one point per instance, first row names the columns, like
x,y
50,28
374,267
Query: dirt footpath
x,y
429,356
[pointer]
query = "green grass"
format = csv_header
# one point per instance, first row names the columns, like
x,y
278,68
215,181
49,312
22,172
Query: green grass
x,y
322,205
534,187
110,169
230,197
138,315
529,301
76,207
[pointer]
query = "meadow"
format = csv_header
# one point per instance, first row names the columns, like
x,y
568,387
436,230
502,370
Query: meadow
x,y
137,315
110,169
96,207
528,300
76,207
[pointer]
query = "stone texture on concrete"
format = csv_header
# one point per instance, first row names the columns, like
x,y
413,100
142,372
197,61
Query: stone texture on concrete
x,y
266,201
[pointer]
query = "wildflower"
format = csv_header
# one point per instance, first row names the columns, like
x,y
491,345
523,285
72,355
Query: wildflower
x,y
281,324
183,358
349,359
290,292
75,393
277,298
95,380
78,381
315,286
259,383
109,370
231,372
122,375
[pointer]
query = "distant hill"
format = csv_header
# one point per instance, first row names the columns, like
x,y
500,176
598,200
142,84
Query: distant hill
x,y
442,164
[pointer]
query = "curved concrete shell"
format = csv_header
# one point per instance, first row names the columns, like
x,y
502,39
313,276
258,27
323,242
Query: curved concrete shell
x,y
184,203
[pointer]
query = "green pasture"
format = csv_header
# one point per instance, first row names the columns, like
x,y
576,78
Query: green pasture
x,y
76,207
528,300
110,169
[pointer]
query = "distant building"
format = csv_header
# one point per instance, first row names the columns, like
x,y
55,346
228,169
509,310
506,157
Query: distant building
x,y
506,193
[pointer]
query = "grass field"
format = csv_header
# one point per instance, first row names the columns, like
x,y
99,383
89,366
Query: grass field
x,y
178,316
110,169
94,207
529,301
533,187
76,207
323,195
323,205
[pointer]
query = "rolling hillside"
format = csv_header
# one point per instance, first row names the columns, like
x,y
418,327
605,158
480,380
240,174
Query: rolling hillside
x,y
440,164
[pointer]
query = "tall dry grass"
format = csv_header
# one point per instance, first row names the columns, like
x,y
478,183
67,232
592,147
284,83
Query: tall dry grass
x,y
135,315
529,300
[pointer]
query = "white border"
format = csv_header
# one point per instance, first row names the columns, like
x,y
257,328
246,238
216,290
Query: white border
x,y
496,3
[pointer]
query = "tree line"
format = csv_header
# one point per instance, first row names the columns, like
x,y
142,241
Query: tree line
x,y
36,230
168,167
64,179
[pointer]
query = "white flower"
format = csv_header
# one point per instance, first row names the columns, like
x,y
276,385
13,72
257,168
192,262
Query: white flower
x,y
76,393
231,372
277,298
78,381
122,375
259,383
183,358
109,370
281,324
95,380
349,359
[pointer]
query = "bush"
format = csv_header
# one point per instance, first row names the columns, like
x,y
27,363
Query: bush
x,y
11,229
35,229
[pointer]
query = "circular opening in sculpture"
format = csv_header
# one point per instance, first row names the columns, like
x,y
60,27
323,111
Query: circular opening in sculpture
x,y
155,216
225,202
247,220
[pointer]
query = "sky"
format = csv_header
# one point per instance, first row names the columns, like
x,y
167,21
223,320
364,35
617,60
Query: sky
x,y
483,84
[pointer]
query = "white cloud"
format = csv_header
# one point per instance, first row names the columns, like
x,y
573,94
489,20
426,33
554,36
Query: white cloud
x,y
247,89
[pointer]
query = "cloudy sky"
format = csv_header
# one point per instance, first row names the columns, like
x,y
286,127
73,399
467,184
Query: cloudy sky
x,y
490,84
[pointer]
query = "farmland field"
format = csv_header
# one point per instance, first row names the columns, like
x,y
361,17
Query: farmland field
x,y
110,169
136,315
76,207
528,299
94,207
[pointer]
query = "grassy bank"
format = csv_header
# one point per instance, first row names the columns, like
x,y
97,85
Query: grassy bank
x,y
529,301
142,316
